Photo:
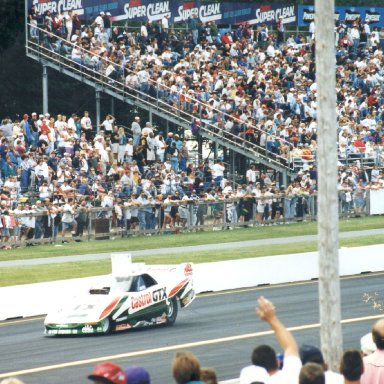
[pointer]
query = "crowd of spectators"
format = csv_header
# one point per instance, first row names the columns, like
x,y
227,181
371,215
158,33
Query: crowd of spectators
x,y
295,365
55,171
245,82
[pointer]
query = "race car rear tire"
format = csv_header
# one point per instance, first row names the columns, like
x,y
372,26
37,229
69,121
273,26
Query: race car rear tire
x,y
172,311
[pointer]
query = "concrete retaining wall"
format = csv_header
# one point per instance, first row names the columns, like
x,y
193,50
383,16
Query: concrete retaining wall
x,y
37,299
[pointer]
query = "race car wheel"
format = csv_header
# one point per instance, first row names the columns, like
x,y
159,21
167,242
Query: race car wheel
x,y
172,311
107,325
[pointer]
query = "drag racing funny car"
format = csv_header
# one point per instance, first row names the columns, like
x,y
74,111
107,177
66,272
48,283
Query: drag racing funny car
x,y
134,295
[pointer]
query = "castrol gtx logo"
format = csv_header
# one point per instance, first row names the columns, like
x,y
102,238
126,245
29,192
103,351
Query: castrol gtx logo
x,y
147,299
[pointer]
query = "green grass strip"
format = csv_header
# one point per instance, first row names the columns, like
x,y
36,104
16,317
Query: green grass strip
x,y
51,272
184,239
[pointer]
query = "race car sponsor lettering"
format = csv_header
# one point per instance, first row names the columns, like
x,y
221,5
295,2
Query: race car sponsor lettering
x,y
159,294
87,329
122,327
160,319
146,299
188,270
61,332
143,300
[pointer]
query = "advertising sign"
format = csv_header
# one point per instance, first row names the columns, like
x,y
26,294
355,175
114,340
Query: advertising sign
x,y
349,14
178,11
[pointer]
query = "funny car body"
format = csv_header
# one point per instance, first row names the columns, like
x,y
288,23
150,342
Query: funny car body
x,y
141,296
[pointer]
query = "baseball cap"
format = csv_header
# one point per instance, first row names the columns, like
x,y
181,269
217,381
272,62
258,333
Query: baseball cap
x,y
108,372
311,354
252,374
137,375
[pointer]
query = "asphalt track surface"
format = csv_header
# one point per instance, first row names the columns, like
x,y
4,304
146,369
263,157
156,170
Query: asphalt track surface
x,y
193,248
220,328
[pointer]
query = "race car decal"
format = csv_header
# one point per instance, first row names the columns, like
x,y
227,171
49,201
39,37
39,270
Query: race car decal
x,y
122,327
147,299
87,329
110,307
177,288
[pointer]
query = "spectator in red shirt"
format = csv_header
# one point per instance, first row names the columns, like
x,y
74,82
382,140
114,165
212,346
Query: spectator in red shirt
x,y
359,144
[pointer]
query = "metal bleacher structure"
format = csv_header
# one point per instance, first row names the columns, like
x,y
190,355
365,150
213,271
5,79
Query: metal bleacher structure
x,y
51,57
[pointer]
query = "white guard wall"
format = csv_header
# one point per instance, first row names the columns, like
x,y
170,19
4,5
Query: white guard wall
x,y
376,201
37,299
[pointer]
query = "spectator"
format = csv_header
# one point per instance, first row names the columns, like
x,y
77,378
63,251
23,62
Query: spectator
x,y
374,363
186,368
86,125
68,219
137,375
311,354
136,131
11,380
312,373
208,376
108,373
264,356
218,170
352,366
253,374
367,346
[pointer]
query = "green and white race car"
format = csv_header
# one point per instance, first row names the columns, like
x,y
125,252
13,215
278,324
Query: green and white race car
x,y
142,297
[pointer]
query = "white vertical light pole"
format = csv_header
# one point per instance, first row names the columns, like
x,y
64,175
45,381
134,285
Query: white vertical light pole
x,y
45,88
328,218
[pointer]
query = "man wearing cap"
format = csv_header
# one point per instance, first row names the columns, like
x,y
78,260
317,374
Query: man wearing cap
x,y
136,130
100,19
137,375
312,354
107,25
108,373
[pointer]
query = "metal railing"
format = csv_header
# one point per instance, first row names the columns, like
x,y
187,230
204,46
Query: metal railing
x,y
168,217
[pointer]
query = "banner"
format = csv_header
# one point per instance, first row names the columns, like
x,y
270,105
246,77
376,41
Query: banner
x,y
347,13
178,11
